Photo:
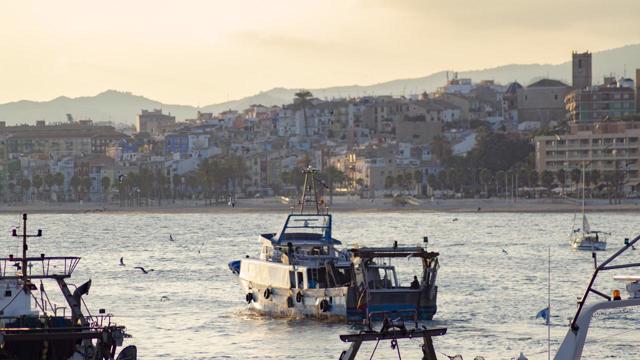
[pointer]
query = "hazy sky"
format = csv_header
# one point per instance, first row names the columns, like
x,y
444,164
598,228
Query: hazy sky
x,y
202,52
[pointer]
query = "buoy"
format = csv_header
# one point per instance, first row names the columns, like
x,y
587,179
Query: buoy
x,y
324,305
267,293
249,298
299,296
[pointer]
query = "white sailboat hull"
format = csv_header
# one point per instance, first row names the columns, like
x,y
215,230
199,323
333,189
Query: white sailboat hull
x,y
588,242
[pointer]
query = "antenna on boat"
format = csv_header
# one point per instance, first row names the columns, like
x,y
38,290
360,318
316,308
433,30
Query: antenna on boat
x,y
25,247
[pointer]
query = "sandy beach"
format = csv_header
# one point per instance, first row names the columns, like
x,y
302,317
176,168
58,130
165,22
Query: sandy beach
x,y
340,204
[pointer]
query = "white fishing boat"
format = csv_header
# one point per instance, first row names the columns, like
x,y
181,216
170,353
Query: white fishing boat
x,y
583,237
300,271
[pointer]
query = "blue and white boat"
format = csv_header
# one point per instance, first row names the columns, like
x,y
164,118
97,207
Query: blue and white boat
x,y
301,272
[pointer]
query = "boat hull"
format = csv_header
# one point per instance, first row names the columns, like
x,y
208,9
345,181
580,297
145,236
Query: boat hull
x,y
291,303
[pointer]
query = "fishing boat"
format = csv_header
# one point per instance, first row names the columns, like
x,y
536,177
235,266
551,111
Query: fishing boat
x,y
302,272
33,327
583,237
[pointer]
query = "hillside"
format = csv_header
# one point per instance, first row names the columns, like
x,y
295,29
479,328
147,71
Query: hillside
x,y
122,107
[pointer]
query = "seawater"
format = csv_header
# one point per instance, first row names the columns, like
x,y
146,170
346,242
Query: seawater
x,y
191,306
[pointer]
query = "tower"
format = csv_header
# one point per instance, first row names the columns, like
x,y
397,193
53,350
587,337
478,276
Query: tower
x,y
581,70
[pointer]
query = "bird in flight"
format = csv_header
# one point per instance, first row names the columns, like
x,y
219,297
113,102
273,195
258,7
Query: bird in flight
x,y
122,261
505,252
144,271
171,237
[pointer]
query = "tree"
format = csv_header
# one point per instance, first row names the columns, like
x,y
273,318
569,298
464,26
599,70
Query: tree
x,y
25,185
500,179
441,148
105,184
302,97
594,176
432,181
59,182
485,177
49,181
37,183
546,178
533,178
561,176
76,183
575,175
85,185
332,176
389,182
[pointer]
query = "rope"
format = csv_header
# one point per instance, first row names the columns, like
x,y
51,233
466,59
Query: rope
x,y
374,349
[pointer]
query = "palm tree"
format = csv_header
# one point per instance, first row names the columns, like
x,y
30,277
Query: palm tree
x,y
441,148
105,184
302,97
75,184
85,184
500,175
561,175
546,179
49,181
333,176
485,177
58,180
575,175
37,183
388,182
533,178
25,185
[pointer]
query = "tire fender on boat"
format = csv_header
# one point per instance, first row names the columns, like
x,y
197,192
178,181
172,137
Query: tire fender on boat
x,y
324,305
249,297
267,293
299,296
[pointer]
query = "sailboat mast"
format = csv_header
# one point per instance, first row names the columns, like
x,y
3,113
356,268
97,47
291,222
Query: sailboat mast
x,y
583,186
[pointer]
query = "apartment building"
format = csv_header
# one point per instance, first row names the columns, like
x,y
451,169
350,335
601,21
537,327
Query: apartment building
x,y
613,99
604,146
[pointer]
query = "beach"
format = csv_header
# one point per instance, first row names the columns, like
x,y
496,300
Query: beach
x,y
340,204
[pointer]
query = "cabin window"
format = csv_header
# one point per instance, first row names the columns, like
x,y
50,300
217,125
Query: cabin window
x,y
316,278
300,279
7,293
292,280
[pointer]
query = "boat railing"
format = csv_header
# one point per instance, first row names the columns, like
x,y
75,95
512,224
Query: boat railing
x,y
93,321
38,267
604,266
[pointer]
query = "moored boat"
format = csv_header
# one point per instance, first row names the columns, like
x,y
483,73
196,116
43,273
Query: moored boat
x,y
33,327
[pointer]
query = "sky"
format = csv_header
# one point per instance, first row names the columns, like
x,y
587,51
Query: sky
x,y
203,52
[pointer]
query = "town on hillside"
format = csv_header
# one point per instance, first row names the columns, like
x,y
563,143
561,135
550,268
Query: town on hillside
x,y
465,140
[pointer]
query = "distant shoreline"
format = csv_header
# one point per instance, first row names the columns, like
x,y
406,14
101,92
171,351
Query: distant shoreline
x,y
341,204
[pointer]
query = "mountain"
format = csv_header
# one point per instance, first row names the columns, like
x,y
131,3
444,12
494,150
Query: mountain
x,y
122,107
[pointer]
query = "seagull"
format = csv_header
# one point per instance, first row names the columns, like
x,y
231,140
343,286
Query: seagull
x,y
505,251
143,269
164,298
17,265
455,219
171,237
121,261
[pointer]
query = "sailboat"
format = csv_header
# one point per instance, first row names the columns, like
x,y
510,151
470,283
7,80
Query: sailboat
x,y
584,238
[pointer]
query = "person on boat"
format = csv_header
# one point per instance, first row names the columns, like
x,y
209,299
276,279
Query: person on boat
x,y
415,284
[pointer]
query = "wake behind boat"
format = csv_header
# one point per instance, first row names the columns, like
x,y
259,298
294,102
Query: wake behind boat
x,y
301,272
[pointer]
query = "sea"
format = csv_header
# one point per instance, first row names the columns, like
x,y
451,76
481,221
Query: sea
x,y
493,280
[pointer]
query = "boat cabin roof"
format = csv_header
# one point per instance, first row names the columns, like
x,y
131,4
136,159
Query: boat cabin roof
x,y
393,252
305,229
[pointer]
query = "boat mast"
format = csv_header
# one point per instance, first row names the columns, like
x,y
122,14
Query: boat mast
x,y
583,186
309,185
25,247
